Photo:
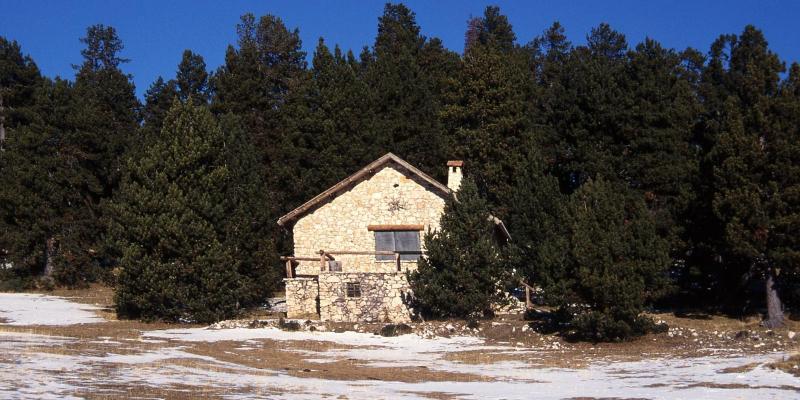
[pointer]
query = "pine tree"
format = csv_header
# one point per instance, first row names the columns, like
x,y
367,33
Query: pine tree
x,y
628,115
549,54
462,272
158,100
538,223
404,97
248,221
487,114
261,78
104,118
740,199
22,176
748,195
785,204
756,192
191,82
660,160
587,108
550,50
40,194
618,263
495,30
18,78
265,83
192,78
341,117
179,260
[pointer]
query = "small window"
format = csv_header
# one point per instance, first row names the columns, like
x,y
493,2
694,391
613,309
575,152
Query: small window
x,y
335,266
404,242
353,289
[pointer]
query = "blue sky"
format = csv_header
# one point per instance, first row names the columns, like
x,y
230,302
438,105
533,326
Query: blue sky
x,y
155,33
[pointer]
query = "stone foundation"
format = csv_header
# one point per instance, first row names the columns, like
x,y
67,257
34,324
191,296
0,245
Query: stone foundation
x,y
302,295
382,297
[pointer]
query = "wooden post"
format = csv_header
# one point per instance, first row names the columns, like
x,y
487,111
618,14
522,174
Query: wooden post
x,y
322,260
528,303
288,268
397,260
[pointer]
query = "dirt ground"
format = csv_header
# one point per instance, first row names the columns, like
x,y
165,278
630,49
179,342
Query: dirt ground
x,y
443,359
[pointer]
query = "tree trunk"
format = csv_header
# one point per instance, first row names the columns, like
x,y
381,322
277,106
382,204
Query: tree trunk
x,y
49,253
2,123
774,306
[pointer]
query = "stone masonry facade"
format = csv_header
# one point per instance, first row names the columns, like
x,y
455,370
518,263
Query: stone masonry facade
x,y
302,297
381,299
390,196
366,289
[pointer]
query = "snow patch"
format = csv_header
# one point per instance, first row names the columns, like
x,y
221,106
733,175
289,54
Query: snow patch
x,y
28,373
343,338
38,309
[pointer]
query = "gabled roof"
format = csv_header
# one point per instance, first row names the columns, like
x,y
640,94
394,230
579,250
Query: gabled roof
x,y
369,169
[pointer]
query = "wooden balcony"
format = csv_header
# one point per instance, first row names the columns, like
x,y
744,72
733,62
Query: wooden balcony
x,y
325,256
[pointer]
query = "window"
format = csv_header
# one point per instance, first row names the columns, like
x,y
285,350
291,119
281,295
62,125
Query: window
x,y
353,289
335,266
405,242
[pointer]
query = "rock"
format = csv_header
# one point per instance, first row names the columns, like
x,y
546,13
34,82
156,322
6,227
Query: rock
x,y
525,328
395,330
289,326
450,327
742,334
791,335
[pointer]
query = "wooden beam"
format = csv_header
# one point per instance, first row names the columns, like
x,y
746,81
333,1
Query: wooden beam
x,y
528,288
395,227
362,253
289,268
284,258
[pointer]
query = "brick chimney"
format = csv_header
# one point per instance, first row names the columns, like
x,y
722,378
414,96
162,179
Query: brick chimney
x,y
454,174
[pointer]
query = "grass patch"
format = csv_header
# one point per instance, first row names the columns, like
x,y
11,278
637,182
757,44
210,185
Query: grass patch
x,y
790,365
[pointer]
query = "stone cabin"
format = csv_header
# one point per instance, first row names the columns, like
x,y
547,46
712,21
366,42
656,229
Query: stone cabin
x,y
355,242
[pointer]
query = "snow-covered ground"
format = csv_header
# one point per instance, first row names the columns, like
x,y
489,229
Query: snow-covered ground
x,y
661,378
30,367
38,309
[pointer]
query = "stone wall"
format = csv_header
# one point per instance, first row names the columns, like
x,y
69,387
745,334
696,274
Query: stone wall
x,y
301,298
382,297
390,196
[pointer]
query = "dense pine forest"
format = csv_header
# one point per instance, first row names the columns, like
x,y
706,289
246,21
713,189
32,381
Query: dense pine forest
x,y
630,175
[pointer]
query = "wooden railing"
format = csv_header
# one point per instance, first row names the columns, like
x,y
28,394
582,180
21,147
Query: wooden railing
x,y
325,256
528,289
